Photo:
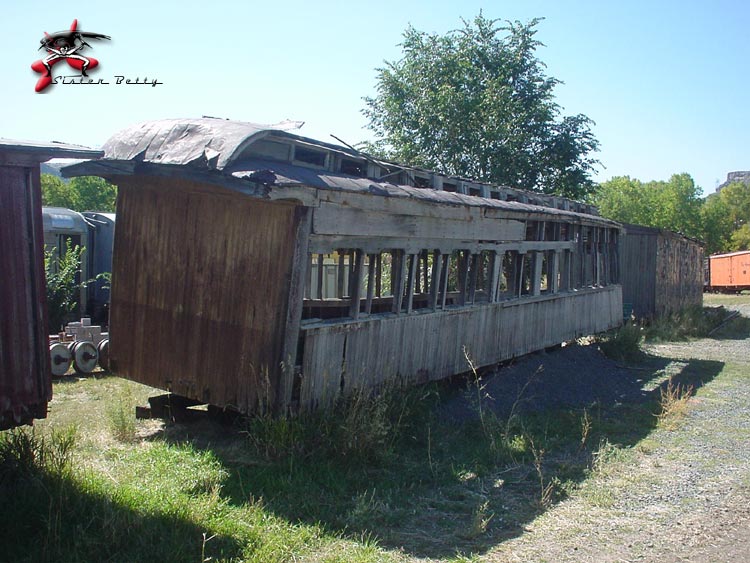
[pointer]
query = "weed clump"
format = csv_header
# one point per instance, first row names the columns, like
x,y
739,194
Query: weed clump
x,y
363,427
622,344
673,403
691,322
26,454
120,415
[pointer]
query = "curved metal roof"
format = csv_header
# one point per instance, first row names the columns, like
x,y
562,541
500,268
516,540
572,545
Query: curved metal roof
x,y
207,141
63,219
211,145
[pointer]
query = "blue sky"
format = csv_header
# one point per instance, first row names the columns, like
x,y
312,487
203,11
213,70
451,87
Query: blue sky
x,y
666,82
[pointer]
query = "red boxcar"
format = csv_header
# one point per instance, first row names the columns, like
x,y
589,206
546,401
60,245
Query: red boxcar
x,y
730,272
25,384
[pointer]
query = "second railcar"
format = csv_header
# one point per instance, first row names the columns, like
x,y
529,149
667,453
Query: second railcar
x,y
729,272
94,232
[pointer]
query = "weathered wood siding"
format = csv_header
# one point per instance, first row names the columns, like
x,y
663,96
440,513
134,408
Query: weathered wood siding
x,y
679,273
25,381
661,271
638,271
200,290
429,346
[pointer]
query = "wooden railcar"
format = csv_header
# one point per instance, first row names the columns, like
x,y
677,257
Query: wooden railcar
x,y
729,273
257,269
25,381
662,271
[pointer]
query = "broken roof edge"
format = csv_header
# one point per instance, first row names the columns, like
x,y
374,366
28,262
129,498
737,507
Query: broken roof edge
x,y
261,179
215,143
633,229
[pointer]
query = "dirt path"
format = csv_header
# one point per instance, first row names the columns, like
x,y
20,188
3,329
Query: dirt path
x,y
680,495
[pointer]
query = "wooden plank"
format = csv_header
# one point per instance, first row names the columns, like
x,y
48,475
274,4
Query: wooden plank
x,y
598,274
462,276
300,273
321,267
308,281
370,282
437,268
379,276
399,277
413,262
425,346
358,276
333,219
444,289
536,273
553,275
565,260
496,262
405,204
325,244
472,289
340,275
519,261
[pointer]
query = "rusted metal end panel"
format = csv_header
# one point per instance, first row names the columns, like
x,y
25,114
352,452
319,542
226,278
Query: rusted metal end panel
x,y
25,382
200,290
342,357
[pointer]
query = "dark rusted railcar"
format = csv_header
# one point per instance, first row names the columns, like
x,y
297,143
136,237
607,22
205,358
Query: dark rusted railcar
x,y
255,268
662,271
25,384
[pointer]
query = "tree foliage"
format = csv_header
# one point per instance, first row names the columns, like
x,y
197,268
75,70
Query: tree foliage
x,y
726,218
722,220
84,193
63,272
674,204
476,102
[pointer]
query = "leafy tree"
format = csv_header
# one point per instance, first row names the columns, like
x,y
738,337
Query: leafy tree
x,y
477,103
736,198
56,193
677,204
717,224
624,199
94,193
85,193
674,204
726,218
740,239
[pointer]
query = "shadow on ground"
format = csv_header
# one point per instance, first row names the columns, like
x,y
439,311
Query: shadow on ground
x,y
442,490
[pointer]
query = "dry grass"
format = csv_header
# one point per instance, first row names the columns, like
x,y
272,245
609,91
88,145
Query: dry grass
x,y
674,402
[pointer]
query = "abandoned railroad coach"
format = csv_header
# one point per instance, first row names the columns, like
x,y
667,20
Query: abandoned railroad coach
x,y
254,268
25,379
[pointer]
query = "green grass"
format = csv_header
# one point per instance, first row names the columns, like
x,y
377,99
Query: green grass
x,y
381,480
715,299
384,478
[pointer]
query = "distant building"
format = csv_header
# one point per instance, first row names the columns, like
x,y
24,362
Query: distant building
x,y
738,176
